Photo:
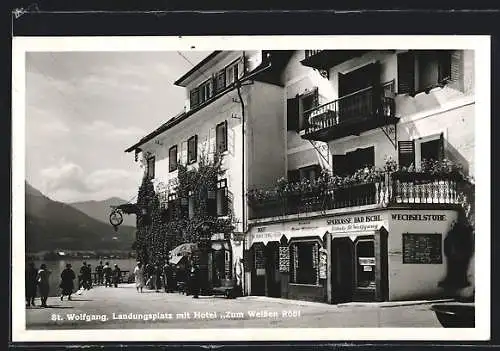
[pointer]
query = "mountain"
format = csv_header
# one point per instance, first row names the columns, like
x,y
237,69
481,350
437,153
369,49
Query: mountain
x,y
100,210
52,225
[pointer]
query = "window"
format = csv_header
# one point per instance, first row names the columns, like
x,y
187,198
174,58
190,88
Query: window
x,y
172,207
305,262
172,158
231,73
406,153
309,172
222,198
150,170
192,148
194,98
414,152
423,70
221,80
354,160
307,102
205,91
221,137
191,204
292,114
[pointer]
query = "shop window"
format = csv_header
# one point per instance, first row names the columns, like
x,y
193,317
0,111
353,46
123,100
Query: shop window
x,y
305,262
172,158
192,148
423,70
221,137
365,264
150,168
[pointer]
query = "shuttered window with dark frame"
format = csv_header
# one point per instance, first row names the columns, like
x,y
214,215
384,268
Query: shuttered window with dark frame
x,y
406,153
406,73
172,158
151,167
292,114
192,149
172,207
432,149
307,102
194,98
223,198
221,137
221,80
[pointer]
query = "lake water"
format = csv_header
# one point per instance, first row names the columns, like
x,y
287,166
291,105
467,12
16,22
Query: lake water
x,y
56,267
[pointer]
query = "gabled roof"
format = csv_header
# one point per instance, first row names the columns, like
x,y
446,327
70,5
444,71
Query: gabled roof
x,y
200,64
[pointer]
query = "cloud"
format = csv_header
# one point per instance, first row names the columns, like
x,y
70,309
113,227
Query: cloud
x,y
67,182
98,127
94,81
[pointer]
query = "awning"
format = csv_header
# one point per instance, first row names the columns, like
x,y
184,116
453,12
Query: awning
x,y
184,249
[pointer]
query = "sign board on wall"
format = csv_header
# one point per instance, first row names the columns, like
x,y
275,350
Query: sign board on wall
x,y
366,222
422,248
284,259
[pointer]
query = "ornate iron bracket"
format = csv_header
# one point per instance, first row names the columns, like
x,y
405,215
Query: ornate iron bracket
x,y
320,152
390,132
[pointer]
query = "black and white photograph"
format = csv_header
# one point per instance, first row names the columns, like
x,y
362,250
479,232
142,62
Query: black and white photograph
x,y
251,188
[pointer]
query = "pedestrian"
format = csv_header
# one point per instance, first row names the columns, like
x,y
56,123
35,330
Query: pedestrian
x,y
157,277
99,273
67,277
107,274
148,270
30,284
43,284
139,276
82,283
116,275
167,277
88,273
194,280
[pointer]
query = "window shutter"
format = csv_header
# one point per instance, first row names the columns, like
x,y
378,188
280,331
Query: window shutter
x,y
406,73
194,98
292,113
221,137
457,69
339,164
241,67
221,80
444,65
406,153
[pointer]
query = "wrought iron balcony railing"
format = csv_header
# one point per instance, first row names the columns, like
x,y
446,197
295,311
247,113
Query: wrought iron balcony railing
x,y
394,188
351,114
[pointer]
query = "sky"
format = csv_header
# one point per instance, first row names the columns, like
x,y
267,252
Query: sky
x,y
83,109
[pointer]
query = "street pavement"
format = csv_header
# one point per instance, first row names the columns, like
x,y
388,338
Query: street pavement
x,y
124,307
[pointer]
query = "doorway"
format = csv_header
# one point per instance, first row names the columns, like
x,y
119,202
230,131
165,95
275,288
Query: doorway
x,y
342,259
273,281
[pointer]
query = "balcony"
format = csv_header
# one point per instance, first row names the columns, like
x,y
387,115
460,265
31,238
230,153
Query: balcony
x,y
325,59
352,114
387,189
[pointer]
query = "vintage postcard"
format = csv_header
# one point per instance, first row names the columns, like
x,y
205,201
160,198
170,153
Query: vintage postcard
x,y
251,188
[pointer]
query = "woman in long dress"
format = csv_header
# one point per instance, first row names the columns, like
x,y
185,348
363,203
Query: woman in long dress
x,y
67,277
139,277
43,284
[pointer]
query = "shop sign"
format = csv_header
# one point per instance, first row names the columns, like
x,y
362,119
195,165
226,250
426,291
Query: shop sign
x,y
367,268
426,217
269,236
356,223
366,261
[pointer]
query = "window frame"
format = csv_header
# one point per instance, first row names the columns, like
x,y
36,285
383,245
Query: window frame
x,y
218,149
422,140
172,168
150,167
222,190
190,157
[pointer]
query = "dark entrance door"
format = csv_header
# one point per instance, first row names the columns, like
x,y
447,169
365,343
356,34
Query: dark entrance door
x,y
272,270
258,284
342,270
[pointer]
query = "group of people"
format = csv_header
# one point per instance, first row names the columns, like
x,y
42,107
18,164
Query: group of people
x,y
155,276
38,279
